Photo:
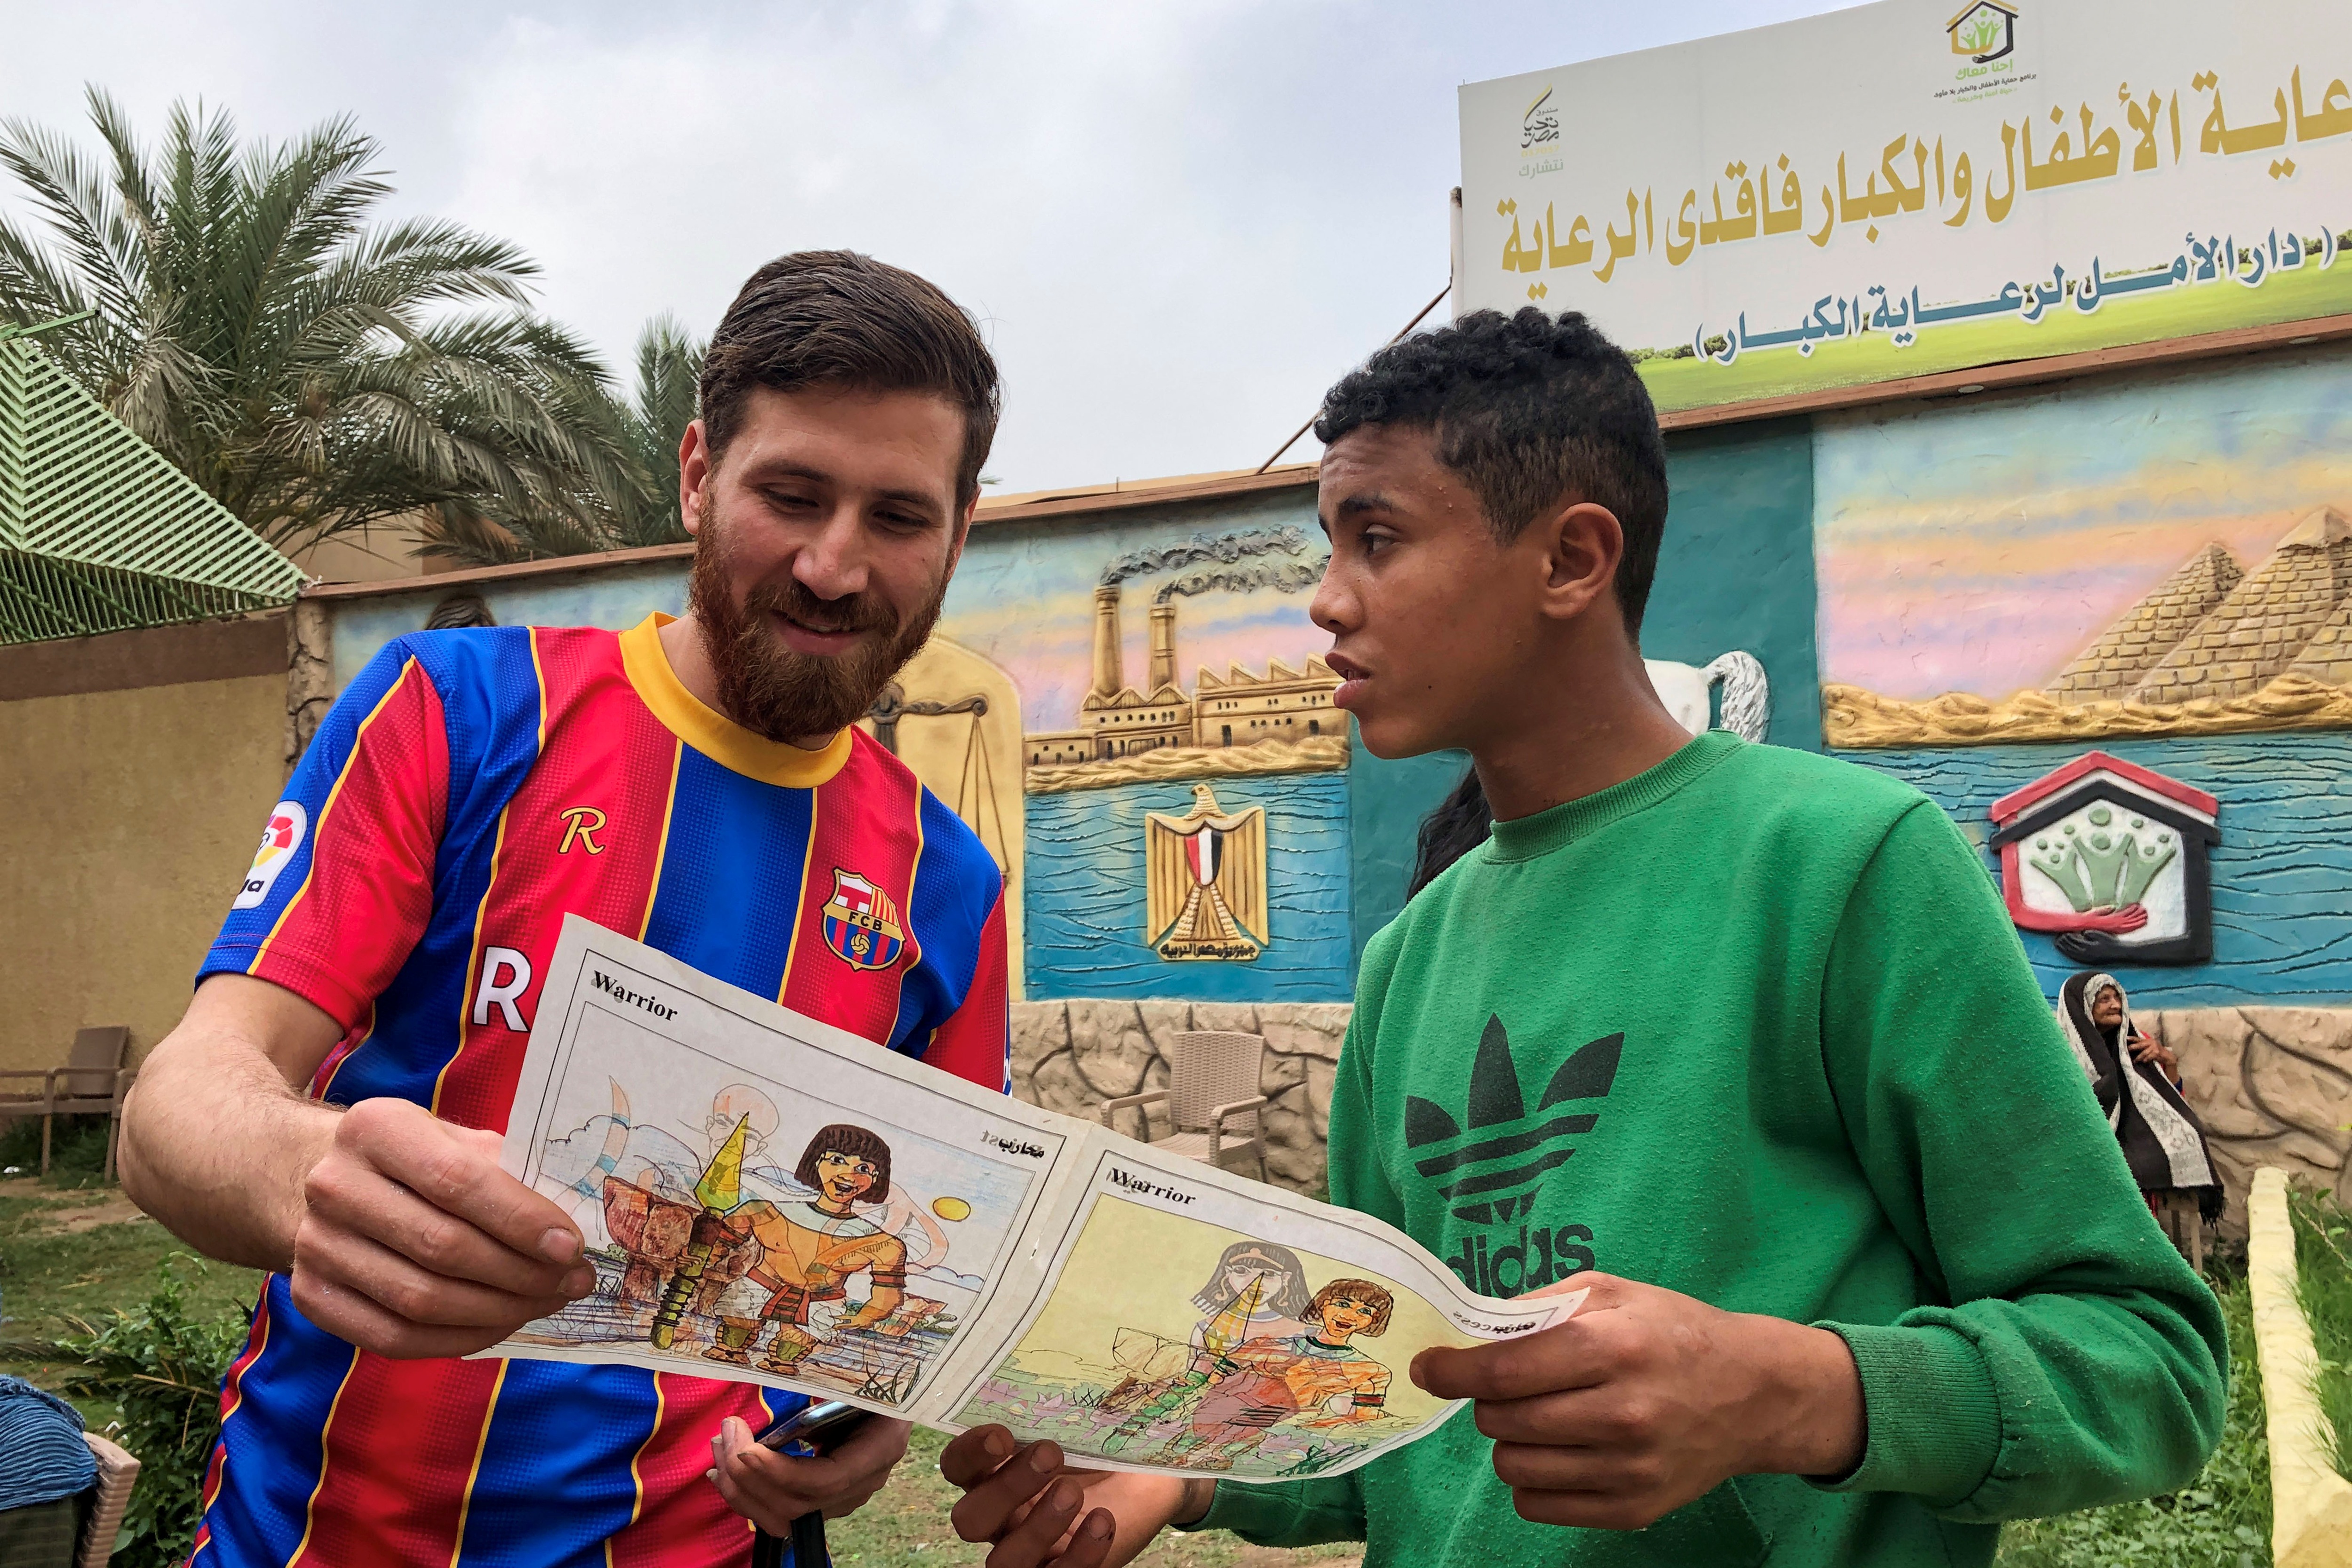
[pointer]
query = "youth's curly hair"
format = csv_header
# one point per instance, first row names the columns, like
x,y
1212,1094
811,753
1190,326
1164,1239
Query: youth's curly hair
x,y
1531,411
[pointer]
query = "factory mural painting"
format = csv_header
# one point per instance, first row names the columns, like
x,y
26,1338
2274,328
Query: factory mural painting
x,y
1163,805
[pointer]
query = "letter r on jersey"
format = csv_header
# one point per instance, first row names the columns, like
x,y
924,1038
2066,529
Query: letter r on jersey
x,y
506,975
582,823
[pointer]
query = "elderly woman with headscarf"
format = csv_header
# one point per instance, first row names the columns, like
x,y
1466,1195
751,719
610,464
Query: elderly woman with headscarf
x,y
2138,1082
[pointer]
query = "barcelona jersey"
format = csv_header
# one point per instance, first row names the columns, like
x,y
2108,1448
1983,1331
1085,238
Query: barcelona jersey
x,y
469,790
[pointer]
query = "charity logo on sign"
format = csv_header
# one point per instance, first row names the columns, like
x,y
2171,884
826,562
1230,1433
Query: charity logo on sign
x,y
861,924
1984,31
279,840
2110,859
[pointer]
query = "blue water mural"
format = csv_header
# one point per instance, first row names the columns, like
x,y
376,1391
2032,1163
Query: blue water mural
x,y
1086,893
2281,873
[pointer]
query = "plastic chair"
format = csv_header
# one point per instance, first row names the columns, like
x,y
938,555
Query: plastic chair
x,y
92,1080
1212,1081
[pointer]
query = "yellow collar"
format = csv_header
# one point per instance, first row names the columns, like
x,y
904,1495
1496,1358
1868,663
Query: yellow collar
x,y
711,732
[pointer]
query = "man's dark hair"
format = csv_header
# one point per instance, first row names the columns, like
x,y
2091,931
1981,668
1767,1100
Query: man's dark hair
x,y
847,1138
1529,411
833,318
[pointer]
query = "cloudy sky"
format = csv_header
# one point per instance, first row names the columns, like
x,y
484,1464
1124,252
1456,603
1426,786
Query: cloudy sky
x,y
1177,223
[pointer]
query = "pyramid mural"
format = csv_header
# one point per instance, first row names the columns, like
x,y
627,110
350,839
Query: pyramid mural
x,y
2123,655
2257,633
2327,658
2213,650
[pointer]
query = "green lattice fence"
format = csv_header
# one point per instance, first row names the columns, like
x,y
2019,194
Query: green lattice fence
x,y
98,532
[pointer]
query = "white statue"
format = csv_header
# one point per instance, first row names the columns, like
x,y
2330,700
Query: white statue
x,y
1687,694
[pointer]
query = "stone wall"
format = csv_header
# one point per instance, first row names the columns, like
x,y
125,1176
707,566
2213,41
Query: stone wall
x,y
1071,1057
2273,1086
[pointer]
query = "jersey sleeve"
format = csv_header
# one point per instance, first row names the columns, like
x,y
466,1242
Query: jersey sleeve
x,y
975,1043
342,886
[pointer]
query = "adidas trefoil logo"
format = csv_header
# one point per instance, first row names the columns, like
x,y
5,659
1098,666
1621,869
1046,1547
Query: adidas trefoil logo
x,y
1495,1169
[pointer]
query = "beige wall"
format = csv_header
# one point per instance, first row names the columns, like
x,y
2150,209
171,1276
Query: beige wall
x,y
126,816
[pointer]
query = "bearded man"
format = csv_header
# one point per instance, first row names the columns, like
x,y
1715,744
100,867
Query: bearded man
x,y
329,1108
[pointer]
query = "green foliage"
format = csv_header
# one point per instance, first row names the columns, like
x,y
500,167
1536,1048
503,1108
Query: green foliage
x,y
314,371
77,1149
635,504
2323,1266
158,1369
2220,1520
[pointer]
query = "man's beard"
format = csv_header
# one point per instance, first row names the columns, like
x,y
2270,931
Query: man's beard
x,y
786,696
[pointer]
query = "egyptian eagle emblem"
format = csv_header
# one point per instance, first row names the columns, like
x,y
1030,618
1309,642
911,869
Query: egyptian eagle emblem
x,y
1205,872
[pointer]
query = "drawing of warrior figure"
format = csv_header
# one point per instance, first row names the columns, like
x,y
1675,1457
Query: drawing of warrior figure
x,y
810,1251
1315,1379
1259,1291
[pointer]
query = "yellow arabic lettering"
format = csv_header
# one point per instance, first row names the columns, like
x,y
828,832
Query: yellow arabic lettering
x,y
2100,160
2144,155
1621,245
1963,187
1790,218
1677,255
1721,229
1996,208
2325,121
1829,217
1578,249
1517,255
1916,198
2218,137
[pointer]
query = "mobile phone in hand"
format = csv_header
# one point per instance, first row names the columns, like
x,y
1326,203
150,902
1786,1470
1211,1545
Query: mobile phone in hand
x,y
823,1426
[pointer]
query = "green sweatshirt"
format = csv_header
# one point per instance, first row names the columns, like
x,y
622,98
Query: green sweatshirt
x,y
1772,1006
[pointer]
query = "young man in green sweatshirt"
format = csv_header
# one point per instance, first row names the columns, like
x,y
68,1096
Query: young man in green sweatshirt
x,y
1868,1274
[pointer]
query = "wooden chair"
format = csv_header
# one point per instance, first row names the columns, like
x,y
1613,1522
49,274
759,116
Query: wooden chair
x,y
118,1472
94,1081
1213,1080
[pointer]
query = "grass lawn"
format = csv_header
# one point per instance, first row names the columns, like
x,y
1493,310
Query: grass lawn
x,y
73,1249
2323,1264
78,1252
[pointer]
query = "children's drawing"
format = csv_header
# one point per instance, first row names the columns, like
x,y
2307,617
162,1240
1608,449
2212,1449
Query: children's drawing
x,y
1272,1368
746,1229
759,1207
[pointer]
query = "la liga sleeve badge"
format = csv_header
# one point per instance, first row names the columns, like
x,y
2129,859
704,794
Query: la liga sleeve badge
x,y
279,840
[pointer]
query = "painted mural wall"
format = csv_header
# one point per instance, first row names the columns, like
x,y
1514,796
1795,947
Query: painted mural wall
x,y
1129,708
2136,555
2142,572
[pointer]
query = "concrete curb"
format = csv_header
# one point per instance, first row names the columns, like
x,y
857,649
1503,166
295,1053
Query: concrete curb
x,y
2311,1505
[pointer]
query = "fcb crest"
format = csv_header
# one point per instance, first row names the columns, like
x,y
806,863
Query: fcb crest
x,y
862,926
1205,876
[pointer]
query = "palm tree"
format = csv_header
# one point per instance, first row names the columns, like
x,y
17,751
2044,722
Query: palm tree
x,y
313,371
635,505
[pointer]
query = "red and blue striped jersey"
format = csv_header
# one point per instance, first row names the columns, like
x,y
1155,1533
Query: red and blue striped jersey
x,y
469,790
